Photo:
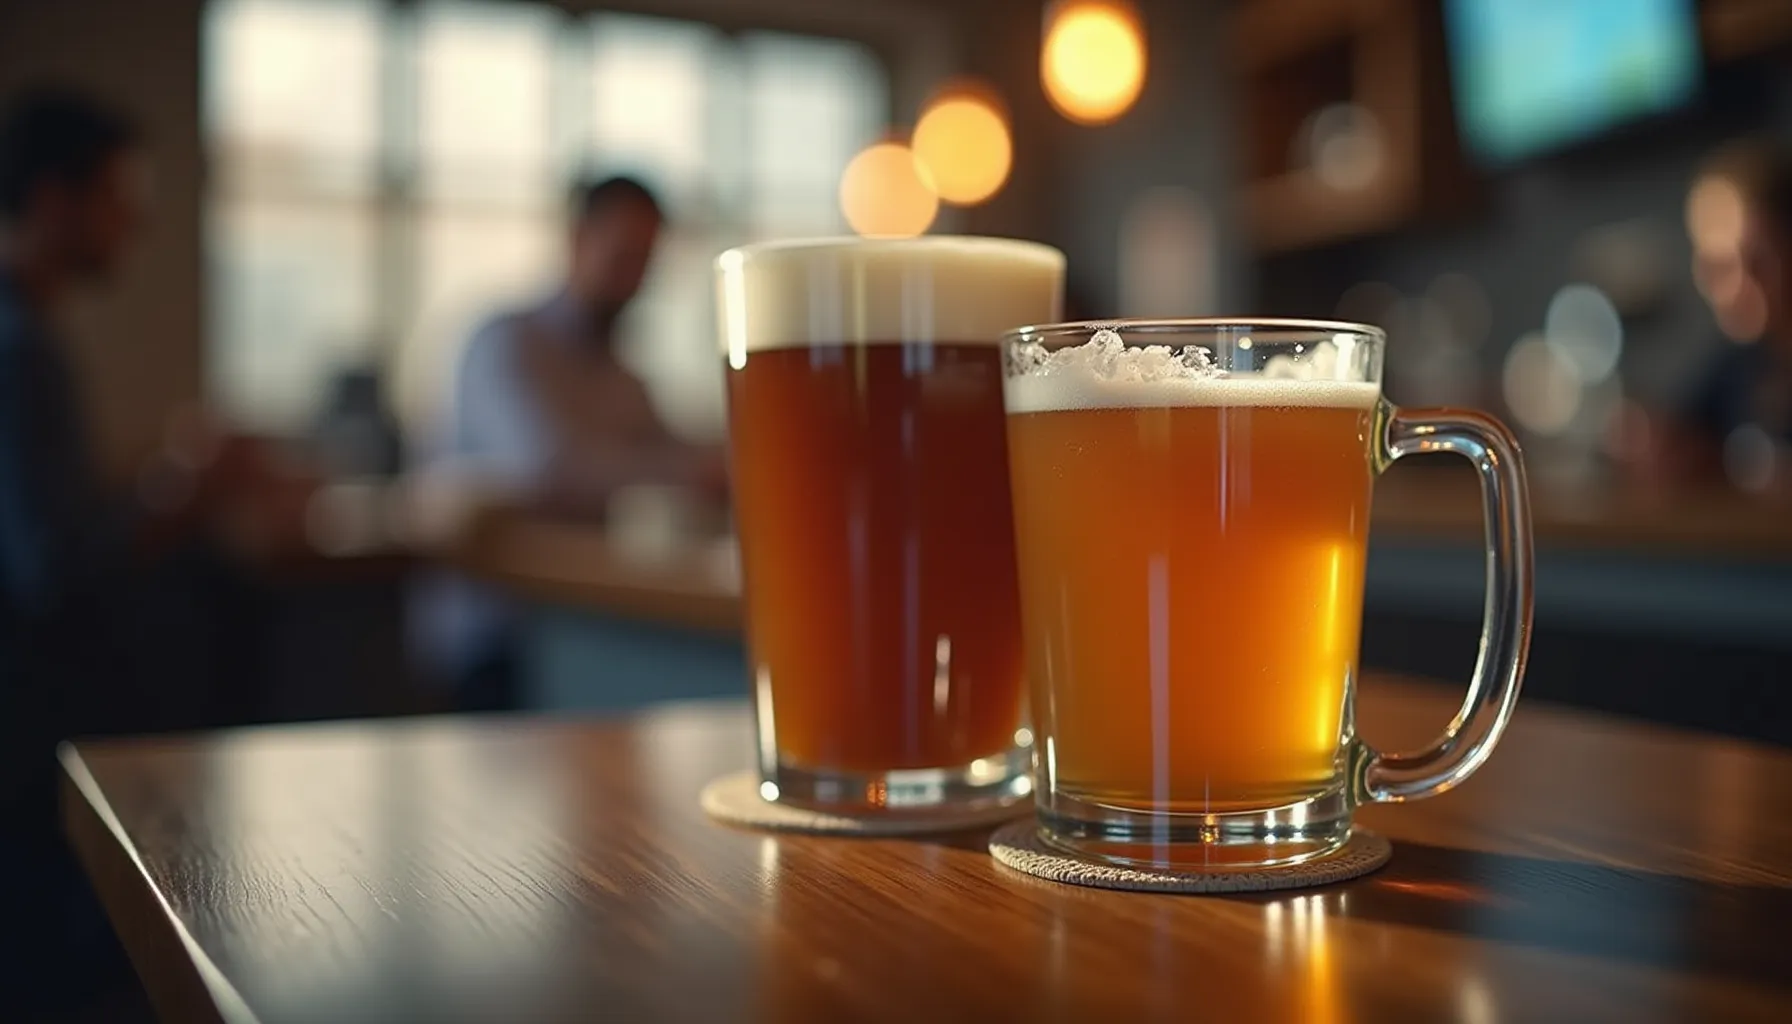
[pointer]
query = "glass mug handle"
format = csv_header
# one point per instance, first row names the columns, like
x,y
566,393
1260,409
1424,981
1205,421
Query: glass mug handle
x,y
1506,624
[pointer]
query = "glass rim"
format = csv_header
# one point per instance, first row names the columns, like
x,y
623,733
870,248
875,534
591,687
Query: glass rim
x,y
1150,325
841,243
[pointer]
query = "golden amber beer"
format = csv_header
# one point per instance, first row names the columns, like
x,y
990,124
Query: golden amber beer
x,y
1192,524
871,498
1197,572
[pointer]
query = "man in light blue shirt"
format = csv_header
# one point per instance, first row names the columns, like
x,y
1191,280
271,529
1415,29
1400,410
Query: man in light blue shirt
x,y
541,403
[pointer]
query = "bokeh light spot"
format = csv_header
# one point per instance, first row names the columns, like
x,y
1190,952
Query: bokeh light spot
x,y
1541,386
887,193
1583,325
1093,64
963,140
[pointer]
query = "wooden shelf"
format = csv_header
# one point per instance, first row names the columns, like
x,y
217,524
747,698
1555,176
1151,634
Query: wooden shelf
x,y
1384,57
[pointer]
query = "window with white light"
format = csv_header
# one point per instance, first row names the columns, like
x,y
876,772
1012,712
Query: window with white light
x,y
385,176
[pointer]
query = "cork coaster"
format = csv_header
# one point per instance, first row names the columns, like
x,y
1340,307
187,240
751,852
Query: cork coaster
x,y
735,799
1018,846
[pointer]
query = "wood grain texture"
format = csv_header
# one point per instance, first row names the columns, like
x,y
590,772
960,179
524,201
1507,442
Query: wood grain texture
x,y
526,870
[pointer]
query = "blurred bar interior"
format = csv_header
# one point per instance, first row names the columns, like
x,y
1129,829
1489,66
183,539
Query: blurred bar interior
x,y
346,189
1525,195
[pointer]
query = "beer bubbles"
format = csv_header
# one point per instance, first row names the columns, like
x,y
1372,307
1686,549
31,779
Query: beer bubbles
x,y
962,139
887,193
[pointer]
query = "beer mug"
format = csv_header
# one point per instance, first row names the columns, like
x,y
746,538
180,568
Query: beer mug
x,y
1192,517
870,469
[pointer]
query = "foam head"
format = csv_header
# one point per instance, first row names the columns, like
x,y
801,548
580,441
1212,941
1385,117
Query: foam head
x,y
859,291
1104,373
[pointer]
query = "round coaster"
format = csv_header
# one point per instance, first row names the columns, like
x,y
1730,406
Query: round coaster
x,y
1019,846
735,799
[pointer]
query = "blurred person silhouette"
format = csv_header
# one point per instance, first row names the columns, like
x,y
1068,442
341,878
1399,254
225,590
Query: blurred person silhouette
x,y
542,411
1739,215
110,619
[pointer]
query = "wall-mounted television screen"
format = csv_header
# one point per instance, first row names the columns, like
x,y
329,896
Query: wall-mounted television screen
x,y
1535,75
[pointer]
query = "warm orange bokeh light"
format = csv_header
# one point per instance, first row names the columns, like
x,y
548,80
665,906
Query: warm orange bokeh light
x,y
887,193
963,140
1093,64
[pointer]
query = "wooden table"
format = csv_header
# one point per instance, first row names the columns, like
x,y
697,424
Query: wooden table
x,y
519,870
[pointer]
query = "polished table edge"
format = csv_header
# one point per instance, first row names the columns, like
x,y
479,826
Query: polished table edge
x,y
187,988
1386,684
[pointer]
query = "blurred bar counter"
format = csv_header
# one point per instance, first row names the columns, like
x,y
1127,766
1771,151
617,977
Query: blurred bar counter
x,y
692,585
1438,503
614,618
1675,609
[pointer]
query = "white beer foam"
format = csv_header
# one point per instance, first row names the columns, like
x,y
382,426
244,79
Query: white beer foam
x,y
856,291
1103,373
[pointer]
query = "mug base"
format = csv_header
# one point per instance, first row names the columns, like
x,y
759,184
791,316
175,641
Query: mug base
x,y
1018,846
1199,843
988,783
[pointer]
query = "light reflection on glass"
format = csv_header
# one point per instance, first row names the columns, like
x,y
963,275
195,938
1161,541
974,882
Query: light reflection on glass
x,y
766,724
734,307
1344,343
942,674
1334,610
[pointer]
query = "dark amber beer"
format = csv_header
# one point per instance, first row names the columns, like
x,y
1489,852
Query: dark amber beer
x,y
871,498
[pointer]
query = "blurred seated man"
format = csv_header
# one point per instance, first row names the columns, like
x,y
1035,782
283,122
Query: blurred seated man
x,y
1739,213
108,621
541,404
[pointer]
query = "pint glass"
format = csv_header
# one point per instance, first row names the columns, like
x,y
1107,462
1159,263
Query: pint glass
x,y
870,468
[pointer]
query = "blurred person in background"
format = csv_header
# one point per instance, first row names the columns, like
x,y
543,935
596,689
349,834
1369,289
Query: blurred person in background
x,y
544,413
1736,421
115,616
